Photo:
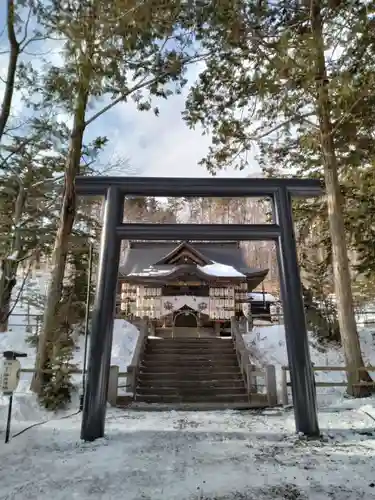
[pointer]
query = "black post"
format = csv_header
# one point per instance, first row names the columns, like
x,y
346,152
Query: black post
x,y
300,368
95,400
9,419
11,356
87,318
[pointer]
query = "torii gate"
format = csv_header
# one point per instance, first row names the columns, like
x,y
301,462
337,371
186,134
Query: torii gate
x,y
281,230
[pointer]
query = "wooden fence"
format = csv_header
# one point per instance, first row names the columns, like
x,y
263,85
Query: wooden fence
x,y
285,384
114,378
32,322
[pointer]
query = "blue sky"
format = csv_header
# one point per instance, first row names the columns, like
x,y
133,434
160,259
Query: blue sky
x,y
155,146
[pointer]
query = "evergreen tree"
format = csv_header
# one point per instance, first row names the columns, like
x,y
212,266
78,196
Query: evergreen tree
x,y
114,51
30,186
20,144
285,76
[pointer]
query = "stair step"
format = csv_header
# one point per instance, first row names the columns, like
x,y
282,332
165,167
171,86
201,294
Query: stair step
x,y
180,368
190,362
185,369
192,341
234,374
190,345
188,358
191,391
220,398
177,406
189,348
185,339
191,354
195,384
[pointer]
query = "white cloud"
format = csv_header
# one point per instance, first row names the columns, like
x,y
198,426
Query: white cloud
x,y
164,145
155,146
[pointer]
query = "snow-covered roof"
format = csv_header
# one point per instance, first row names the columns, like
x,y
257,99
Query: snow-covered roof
x,y
153,271
221,270
209,272
143,255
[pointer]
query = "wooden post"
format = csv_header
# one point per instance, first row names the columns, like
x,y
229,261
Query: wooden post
x,y
250,320
252,381
28,328
284,386
113,385
132,378
271,385
217,328
243,325
152,327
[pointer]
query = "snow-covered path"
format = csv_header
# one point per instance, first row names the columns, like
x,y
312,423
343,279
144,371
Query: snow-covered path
x,y
196,456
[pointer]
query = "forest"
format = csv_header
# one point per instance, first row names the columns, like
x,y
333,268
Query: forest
x,y
291,82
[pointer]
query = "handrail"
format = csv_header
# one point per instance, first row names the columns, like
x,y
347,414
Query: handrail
x,y
132,369
249,371
243,356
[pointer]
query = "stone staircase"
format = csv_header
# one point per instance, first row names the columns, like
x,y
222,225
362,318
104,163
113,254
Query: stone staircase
x,y
191,372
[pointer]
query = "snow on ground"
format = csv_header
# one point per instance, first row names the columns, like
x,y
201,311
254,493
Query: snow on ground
x,y
31,284
25,405
224,455
267,343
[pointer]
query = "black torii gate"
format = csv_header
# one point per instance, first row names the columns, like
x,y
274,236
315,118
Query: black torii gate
x,y
280,191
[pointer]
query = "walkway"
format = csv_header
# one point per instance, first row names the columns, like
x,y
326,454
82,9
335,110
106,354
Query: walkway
x,y
192,456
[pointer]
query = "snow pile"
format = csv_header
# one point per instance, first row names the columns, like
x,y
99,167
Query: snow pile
x,y
268,346
221,270
25,407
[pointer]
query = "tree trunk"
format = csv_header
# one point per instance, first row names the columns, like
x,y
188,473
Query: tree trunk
x,y
7,283
12,66
9,266
68,209
5,297
60,252
341,270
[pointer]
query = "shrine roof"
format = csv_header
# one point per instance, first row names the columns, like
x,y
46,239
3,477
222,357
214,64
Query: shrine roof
x,y
141,262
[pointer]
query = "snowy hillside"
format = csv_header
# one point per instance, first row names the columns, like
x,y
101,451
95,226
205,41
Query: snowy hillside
x,y
268,345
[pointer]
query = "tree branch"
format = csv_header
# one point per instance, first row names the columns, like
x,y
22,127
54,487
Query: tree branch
x,y
12,66
283,124
142,84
